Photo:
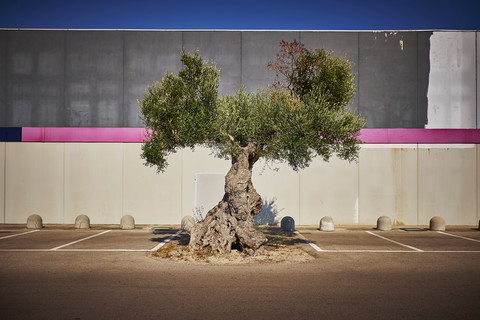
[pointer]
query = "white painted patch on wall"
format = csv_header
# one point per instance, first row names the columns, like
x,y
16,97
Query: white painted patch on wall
x,y
452,85
209,190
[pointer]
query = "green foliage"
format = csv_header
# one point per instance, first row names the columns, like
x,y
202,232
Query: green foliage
x,y
292,123
320,70
180,110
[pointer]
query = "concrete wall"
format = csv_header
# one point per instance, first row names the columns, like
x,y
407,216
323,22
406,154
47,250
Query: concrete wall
x,y
94,78
86,78
409,183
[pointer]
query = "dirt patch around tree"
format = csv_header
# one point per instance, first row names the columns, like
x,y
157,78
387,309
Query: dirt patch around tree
x,y
281,248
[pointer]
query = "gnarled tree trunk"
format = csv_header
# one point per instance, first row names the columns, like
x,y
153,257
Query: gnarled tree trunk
x,y
230,224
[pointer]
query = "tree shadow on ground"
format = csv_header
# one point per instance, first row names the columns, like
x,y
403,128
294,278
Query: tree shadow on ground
x,y
276,237
163,234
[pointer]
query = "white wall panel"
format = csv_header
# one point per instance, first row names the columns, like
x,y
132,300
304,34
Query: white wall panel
x,y
278,185
209,190
329,189
149,197
447,185
200,161
93,182
34,182
388,183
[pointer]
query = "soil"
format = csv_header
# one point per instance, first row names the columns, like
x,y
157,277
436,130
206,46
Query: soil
x,y
281,248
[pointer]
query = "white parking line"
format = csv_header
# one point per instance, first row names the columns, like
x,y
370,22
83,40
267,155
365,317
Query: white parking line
x,y
313,245
396,251
158,246
70,243
323,251
454,235
396,242
18,234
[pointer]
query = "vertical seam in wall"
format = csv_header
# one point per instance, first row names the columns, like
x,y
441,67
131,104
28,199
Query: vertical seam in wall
x,y
6,110
5,183
181,183
65,109
418,82
477,169
123,179
241,58
418,189
299,197
5,76
124,107
358,73
64,183
357,202
183,40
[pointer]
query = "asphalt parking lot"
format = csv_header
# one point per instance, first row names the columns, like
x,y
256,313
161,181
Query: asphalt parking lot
x,y
106,273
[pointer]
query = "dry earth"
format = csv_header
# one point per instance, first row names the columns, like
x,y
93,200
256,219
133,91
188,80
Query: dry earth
x,y
280,248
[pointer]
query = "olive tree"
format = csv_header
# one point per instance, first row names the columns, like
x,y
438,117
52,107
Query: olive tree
x,y
301,116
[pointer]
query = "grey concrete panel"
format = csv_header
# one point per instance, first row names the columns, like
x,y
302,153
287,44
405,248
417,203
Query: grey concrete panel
x,y
35,69
3,78
148,55
94,78
223,47
343,44
478,80
388,79
259,48
423,72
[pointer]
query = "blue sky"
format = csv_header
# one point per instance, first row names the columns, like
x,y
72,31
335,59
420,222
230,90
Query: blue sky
x,y
246,14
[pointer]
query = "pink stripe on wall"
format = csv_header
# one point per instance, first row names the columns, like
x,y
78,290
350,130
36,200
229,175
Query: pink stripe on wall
x,y
420,135
387,136
83,134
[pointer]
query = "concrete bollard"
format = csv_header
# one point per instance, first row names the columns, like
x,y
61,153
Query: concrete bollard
x,y
34,222
187,223
326,224
287,224
127,222
384,223
82,222
437,224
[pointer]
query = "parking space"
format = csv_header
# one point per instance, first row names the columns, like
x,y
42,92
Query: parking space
x,y
84,240
348,240
408,240
394,241
434,241
108,273
470,234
